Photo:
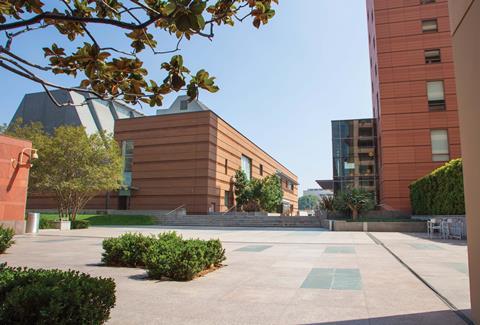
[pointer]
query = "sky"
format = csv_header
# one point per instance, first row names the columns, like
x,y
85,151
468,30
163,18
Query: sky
x,y
280,85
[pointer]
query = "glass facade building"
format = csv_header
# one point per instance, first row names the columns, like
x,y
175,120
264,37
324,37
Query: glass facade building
x,y
354,155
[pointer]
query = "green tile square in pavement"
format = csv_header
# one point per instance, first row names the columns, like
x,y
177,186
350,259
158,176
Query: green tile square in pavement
x,y
460,267
336,279
253,248
319,279
427,247
347,279
340,250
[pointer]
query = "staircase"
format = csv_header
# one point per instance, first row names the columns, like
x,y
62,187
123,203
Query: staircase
x,y
234,220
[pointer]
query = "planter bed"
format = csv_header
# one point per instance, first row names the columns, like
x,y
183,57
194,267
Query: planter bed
x,y
380,226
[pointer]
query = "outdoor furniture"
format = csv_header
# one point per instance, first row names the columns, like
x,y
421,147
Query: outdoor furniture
x,y
447,228
455,228
433,225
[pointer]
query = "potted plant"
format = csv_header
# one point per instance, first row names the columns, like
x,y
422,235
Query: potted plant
x,y
62,224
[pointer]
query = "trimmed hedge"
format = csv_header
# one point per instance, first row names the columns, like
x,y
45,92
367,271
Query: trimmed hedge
x,y
29,296
182,260
80,224
127,250
6,238
167,255
441,192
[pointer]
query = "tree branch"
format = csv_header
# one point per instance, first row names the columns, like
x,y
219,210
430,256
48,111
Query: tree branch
x,y
95,20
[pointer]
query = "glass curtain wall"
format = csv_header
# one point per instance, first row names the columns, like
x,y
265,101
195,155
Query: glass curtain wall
x,y
354,155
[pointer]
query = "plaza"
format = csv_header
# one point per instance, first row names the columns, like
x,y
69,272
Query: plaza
x,y
277,276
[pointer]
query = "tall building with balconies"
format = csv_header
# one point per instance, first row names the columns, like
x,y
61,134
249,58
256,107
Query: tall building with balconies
x,y
413,92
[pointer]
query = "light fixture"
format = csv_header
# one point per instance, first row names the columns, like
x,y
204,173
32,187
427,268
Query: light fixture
x,y
33,155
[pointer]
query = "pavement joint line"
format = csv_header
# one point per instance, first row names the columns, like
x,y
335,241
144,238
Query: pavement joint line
x,y
223,241
444,299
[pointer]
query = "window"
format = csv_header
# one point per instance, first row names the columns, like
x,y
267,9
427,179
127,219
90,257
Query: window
x,y
127,153
261,170
436,95
226,199
226,166
429,26
440,150
184,105
432,56
426,2
290,185
246,164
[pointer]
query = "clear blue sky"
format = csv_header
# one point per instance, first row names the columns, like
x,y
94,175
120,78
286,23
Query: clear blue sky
x,y
280,85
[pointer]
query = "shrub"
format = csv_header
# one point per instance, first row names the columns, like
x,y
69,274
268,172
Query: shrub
x,y
80,224
440,192
6,238
29,296
126,250
182,260
45,224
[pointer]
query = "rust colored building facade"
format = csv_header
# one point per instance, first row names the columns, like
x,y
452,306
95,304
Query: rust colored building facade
x,y
413,92
189,159
14,170
184,157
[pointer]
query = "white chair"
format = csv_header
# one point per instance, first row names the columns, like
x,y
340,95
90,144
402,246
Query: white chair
x,y
432,225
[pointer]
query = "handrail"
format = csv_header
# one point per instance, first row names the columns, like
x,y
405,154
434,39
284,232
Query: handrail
x,y
229,210
183,205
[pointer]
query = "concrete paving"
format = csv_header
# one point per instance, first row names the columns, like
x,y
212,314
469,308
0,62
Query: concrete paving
x,y
274,276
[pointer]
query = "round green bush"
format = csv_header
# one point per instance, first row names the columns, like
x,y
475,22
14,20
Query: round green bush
x,y
170,256
127,250
6,238
37,296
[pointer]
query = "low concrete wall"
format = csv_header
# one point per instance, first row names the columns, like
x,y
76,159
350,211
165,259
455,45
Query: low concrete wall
x,y
154,213
425,217
400,226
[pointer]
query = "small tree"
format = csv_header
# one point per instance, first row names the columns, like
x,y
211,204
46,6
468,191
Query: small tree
x,y
72,165
271,195
240,184
355,200
308,202
327,203
255,194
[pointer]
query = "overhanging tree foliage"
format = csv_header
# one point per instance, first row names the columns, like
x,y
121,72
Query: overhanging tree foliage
x,y
72,165
117,73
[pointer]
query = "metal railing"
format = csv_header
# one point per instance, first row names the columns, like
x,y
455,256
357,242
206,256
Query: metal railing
x,y
229,210
182,206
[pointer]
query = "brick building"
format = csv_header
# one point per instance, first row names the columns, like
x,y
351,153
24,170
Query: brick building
x,y
413,92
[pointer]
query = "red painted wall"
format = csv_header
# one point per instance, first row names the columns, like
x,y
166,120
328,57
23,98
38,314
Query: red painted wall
x,y
13,182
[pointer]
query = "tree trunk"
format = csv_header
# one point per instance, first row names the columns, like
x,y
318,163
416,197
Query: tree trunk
x,y
354,214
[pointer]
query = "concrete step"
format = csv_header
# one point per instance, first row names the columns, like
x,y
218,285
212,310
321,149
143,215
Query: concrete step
x,y
239,221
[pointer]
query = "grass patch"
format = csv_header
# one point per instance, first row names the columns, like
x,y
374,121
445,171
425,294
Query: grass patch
x,y
107,219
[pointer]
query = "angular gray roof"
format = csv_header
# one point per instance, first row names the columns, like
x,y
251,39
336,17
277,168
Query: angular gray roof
x,y
95,114
183,105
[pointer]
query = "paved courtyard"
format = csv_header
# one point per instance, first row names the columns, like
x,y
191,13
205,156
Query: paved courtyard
x,y
277,276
